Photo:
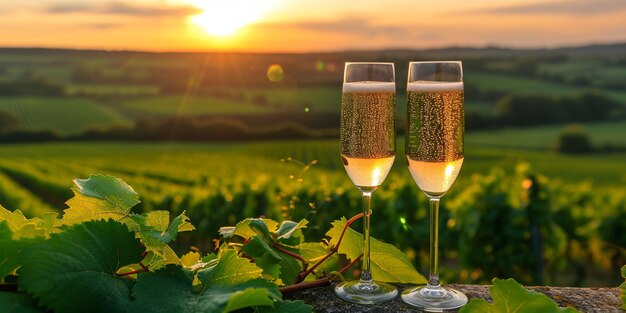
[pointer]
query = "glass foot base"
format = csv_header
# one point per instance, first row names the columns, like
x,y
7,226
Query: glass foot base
x,y
366,293
434,298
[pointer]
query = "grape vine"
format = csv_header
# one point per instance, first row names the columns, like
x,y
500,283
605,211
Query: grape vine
x,y
103,253
102,257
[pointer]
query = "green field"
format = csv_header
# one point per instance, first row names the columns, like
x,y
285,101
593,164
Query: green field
x,y
183,105
545,137
321,99
122,88
112,90
220,184
64,115
516,85
594,71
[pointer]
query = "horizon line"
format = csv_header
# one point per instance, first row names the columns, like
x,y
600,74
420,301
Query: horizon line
x,y
355,50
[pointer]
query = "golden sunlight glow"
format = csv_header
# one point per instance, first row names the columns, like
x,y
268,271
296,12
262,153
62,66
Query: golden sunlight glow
x,y
224,17
450,169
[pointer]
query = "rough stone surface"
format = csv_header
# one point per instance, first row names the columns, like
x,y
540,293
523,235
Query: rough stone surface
x,y
584,299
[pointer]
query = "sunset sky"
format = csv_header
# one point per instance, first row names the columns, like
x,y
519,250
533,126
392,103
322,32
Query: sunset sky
x,y
307,25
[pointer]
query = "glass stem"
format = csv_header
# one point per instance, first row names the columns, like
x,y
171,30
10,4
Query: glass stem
x,y
433,279
366,274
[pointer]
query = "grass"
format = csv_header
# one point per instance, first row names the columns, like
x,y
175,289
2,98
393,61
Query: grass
x,y
517,85
180,105
594,70
64,115
116,90
319,99
545,137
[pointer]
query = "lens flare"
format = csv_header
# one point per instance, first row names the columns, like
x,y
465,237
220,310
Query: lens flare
x,y
275,73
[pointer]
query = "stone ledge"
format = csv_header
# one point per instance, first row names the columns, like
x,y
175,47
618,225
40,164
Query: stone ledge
x,y
584,299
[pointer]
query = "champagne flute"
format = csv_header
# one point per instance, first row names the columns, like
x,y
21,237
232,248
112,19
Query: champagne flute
x,y
434,151
368,149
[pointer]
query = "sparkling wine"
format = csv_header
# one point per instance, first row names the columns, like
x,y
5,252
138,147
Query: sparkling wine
x,y
367,133
435,131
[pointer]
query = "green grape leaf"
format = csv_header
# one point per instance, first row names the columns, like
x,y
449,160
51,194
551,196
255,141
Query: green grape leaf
x,y
16,233
509,296
13,302
155,231
154,260
259,227
264,256
287,306
171,290
169,255
289,269
155,221
209,257
99,197
257,247
22,227
11,249
247,298
243,229
622,288
271,268
75,269
190,259
108,188
179,224
287,228
230,270
388,264
157,258
290,232
314,251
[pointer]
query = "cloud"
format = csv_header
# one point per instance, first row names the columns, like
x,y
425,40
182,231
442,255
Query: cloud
x,y
351,25
119,8
103,26
572,7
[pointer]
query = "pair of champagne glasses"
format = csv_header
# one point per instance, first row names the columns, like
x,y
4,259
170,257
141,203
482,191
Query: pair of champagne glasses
x,y
434,152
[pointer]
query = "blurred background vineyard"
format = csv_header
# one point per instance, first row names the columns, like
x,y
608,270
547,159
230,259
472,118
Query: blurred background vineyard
x,y
226,136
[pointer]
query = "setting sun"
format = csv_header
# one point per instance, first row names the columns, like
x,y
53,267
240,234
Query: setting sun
x,y
224,18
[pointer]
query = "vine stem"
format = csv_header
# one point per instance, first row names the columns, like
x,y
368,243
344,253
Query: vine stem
x,y
350,221
304,274
144,268
309,284
129,273
324,281
357,259
304,261
333,250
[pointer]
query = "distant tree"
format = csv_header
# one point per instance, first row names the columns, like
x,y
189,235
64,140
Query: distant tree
x,y
526,67
574,139
8,121
591,106
523,110
28,136
31,87
528,110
